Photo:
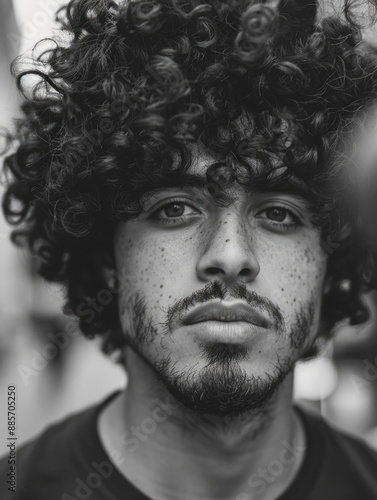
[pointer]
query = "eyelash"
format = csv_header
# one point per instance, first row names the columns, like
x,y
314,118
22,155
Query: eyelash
x,y
177,220
283,225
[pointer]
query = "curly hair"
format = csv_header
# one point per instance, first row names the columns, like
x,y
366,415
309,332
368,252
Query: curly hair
x,y
120,101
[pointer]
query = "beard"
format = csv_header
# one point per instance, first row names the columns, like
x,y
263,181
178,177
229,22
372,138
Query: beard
x,y
222,388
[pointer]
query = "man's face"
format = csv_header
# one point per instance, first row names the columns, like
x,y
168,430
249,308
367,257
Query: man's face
x,y
220,301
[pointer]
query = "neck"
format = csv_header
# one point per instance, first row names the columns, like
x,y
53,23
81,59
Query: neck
x,y
255,453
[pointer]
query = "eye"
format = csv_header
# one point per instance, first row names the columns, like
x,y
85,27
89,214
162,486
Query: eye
x,y
175,209
173,212
278,214
280,217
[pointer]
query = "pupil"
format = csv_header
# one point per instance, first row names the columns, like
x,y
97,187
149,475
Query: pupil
x,y
174,210
277,214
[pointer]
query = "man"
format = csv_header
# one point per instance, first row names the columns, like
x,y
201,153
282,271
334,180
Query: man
x,y
177,169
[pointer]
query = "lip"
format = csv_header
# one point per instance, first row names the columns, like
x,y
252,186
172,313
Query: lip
x,y
226,312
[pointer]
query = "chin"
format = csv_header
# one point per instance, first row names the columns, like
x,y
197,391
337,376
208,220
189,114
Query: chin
x,y
221,388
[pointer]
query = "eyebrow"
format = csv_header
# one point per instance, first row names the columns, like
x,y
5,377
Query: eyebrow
x,y
180,179
284,184
256,183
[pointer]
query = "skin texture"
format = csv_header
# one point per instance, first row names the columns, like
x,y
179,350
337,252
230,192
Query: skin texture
x,y
178,256
230,391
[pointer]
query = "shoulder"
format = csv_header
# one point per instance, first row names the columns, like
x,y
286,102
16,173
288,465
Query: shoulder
x,y
50,462
348,464
342,440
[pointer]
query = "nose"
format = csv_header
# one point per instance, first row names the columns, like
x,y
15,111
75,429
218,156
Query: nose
x,y
229,254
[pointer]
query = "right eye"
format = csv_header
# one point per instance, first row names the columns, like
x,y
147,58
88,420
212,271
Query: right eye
x,y
173,212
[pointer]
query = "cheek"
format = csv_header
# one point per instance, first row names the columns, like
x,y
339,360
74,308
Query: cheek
x,y
296,271
156,268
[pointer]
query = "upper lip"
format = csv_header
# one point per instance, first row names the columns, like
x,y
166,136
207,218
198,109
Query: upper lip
x,y
222,311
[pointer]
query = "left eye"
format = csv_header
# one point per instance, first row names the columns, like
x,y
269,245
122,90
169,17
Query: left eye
x,y
277,214
174,210
280,215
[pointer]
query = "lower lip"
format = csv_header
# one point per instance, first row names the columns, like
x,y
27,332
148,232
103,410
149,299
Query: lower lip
x,y
231,332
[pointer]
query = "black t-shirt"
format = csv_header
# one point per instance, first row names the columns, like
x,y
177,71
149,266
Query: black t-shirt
x,y
68,462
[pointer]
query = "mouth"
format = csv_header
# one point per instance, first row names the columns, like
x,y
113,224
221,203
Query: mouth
x,y
226,312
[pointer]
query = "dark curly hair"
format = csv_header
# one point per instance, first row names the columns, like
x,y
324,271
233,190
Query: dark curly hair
x,y
120,100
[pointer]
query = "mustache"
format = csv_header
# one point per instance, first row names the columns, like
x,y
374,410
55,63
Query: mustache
x,y
218,290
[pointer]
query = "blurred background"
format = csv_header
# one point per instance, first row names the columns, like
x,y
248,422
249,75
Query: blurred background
x,y
56,377
51,382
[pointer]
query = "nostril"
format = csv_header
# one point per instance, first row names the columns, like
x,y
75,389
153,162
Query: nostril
x,y
246,273
214,270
